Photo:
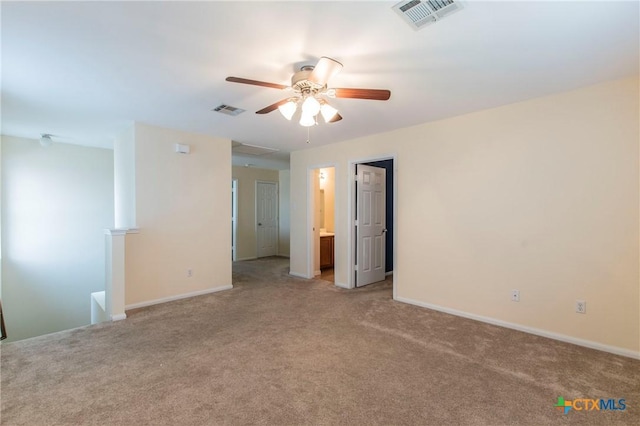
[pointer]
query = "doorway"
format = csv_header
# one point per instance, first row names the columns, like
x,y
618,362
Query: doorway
x,y
322,222
267,218
383,232
326,223
370,225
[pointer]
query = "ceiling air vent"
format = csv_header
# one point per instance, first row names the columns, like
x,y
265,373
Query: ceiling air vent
x,y
419,14
228,109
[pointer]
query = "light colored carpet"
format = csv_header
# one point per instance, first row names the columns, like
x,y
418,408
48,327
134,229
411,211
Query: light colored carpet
x,y
279,350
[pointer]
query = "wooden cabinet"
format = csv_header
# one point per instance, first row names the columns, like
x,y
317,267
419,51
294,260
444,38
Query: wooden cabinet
x,y
326,252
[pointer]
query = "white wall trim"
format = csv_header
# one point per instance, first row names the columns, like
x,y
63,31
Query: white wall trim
x,y
118,317
122,231
341,285
531,330
246,258
115,231
178,297
298,275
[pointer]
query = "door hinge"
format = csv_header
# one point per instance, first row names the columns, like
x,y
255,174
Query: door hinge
x,y
356,222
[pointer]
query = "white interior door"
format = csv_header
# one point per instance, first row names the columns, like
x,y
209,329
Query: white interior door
x,y
267,218
370,225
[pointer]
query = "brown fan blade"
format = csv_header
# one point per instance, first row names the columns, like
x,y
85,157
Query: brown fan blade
x,y
272,107
324,70
373,94
256,83
335,118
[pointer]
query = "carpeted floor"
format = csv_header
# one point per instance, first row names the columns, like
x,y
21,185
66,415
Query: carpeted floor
x,y
278,350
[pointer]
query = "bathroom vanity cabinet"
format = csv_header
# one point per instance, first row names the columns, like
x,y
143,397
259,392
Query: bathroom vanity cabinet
x,y
326,251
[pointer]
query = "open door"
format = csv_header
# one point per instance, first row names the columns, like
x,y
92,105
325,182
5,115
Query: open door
x,y
370,225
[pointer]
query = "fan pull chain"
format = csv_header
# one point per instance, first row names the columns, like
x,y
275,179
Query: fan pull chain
x,y
308,133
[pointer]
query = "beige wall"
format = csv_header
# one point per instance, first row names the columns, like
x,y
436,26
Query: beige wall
x,y
247,246
284,177
183,211
540,196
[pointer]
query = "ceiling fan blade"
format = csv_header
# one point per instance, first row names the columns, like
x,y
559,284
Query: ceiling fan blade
x,y
373,94
256,83
335,118
272,107
324,70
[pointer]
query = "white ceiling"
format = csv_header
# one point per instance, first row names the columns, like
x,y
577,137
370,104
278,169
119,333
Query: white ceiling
x,y
85,70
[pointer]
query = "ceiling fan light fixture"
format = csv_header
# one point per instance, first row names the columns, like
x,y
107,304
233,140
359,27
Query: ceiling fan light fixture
x,y
311,106
328,112
288,109
307,120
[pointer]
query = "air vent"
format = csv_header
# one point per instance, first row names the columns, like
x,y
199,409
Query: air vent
x,y
244,148
419,14
228,109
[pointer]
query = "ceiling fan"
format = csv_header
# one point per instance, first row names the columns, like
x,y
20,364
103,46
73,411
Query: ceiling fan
x,y
310,89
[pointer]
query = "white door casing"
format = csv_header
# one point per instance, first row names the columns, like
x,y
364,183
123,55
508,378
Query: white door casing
x,y
370,225
234,218
267,218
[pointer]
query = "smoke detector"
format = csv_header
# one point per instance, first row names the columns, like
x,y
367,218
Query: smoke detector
x,y
419,14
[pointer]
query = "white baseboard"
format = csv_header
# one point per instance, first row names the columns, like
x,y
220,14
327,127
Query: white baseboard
x,y
118,317
246,258
178,297
316,273
531,330
341,285
386,274
298,275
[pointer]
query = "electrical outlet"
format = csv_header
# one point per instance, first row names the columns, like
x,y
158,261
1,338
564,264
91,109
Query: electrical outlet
x,y
581,306
515,295
189,273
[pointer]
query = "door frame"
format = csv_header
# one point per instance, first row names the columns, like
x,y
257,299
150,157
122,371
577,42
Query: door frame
x,y
234,219
311,248
255,215
351,234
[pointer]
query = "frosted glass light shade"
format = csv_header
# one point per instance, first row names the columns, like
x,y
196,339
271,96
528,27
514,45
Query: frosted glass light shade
x,y
328,112
311,106
287,109
307,120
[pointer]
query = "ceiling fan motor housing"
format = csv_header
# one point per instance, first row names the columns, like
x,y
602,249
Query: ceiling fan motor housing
x,y
300,82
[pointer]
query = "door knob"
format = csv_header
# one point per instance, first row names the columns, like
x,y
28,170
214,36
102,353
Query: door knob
x,y
259,224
